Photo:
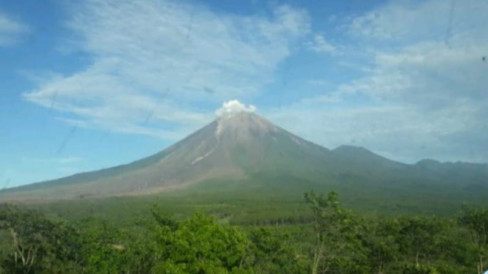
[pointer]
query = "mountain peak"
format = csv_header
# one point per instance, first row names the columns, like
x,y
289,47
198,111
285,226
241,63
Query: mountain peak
x,y
243,124
242,113
240,146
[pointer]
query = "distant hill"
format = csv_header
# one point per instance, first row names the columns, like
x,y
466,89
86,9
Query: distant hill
x,y
243,151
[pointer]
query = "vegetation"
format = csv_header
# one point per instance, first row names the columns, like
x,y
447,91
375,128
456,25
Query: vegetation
x,y
329,239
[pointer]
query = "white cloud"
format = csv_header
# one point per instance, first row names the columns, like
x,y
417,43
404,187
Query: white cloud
x,y
399,132
10,30
450,22
154,60
320,45
422,89
234,106
424,71
422,96
427,75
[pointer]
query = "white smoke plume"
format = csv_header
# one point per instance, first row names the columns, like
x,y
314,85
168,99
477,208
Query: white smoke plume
x,y
234,106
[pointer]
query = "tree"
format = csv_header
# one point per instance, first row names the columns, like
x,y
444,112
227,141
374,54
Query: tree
x,y
379,239
476,221
37,243
335,235
271,253
200,245
102,247
418,237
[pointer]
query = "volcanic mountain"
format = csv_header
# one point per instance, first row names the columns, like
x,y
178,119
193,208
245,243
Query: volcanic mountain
x,y
243,149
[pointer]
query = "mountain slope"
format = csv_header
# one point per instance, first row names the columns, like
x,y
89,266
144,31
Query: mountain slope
x,y
245,152
233,146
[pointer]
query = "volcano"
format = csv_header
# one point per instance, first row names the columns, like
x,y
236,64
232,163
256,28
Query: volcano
x,y
245,149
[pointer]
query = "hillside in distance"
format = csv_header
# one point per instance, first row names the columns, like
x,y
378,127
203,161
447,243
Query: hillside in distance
x,y
245,152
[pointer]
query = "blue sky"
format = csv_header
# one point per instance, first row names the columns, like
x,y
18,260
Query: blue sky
x,y
97,83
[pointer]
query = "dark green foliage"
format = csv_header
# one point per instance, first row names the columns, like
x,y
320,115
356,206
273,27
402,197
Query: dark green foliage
x,y
476,221
164,220
325,239
36,244
271,252
346,243
102,248
338,247
419,237
381,246
200,245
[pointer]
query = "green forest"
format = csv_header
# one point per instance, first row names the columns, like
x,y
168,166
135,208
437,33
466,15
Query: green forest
x,y
331,239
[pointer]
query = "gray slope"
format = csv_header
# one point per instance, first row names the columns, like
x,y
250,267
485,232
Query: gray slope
x,y
244,146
